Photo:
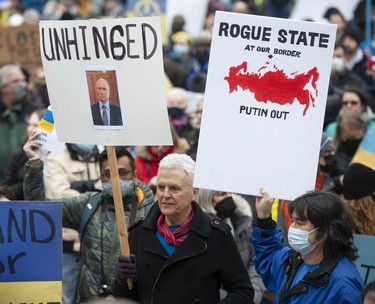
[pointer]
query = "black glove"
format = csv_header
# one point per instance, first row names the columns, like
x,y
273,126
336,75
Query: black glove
x,y
125,268
225,207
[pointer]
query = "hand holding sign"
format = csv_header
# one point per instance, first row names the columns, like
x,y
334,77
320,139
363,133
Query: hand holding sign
x,y
264,204
33,146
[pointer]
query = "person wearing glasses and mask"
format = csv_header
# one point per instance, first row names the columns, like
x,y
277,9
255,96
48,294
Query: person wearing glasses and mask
x,y
318,266
353,100
95,212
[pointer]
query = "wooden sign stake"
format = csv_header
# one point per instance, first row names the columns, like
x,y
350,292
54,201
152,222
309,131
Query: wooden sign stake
x,y
119,207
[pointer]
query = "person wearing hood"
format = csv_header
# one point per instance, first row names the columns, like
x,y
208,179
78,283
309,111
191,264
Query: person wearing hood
x,y
235,211
95,213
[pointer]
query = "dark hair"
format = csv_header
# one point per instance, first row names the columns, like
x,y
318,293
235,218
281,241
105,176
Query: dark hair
x,y
326,211
120,151
362,95
370,288
7,192
333,11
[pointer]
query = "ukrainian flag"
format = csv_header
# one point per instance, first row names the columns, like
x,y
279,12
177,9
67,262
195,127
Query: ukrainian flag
x,y
47,122
366,151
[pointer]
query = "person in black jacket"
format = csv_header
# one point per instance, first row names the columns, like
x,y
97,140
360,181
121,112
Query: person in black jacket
x,y
179,254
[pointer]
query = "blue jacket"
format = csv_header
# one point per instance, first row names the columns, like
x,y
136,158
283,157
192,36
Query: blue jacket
x,y
334,281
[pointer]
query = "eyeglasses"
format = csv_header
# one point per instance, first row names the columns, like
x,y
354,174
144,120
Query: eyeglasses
x,y
123,173
351,102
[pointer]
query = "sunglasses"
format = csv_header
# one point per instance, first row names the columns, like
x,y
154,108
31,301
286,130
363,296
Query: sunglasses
x,y
351,102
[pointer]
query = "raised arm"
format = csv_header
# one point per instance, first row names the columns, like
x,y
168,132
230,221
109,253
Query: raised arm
x,y
33,184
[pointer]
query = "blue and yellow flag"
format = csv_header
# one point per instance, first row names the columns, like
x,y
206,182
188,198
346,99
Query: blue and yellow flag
x,y
46,123
366,151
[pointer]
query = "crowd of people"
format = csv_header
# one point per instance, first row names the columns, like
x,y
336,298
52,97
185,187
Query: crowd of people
x,y
193,245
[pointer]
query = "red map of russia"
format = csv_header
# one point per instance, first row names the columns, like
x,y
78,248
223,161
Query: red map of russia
x,y
274,85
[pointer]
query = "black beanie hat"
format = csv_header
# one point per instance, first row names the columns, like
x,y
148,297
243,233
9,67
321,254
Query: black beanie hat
x,y
359,181
353,32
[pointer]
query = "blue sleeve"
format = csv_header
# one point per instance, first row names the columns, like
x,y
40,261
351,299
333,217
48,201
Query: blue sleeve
x,y
270,255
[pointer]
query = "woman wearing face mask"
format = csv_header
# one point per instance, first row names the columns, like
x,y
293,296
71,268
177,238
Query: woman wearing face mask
x,y
234,210
318,268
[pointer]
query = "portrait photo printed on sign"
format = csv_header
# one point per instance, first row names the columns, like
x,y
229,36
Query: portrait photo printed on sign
x,y
104,98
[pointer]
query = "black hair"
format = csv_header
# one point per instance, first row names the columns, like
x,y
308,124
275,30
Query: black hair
x,y
120,151
333,11
370,288
326,211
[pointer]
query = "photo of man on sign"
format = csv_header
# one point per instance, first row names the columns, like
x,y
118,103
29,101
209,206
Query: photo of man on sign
x,y
105,108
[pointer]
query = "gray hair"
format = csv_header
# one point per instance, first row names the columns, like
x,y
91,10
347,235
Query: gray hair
x,y
204,199
6,71
179,161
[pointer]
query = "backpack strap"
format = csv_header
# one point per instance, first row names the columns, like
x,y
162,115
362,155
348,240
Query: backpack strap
x,y
87,213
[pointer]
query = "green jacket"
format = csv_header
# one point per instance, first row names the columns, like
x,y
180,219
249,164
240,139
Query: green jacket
x,y
100,243
12,129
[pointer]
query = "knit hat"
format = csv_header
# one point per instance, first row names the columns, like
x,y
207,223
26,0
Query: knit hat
x,y
359,181
324,143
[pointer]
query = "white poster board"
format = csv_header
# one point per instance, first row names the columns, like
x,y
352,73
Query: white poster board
x,y
264,105
315,10
126,54
193,11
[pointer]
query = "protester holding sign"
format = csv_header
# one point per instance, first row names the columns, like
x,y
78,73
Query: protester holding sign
x,y
70,174
179,254
319,267
93,214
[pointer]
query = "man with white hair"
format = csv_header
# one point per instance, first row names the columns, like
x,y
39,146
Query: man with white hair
x,y
179,254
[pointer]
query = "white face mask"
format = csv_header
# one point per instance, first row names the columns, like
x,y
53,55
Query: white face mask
x,y
299,240
126,187
338,65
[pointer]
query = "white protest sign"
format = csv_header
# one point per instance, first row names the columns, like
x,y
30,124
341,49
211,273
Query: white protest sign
x,y
193,11
264,105
112,62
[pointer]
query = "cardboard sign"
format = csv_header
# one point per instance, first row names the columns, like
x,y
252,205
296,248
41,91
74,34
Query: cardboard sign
x,y
264,105
118,60
31,252
20,45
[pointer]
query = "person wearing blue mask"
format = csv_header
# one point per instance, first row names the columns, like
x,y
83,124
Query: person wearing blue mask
x,y
318,268
93,214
